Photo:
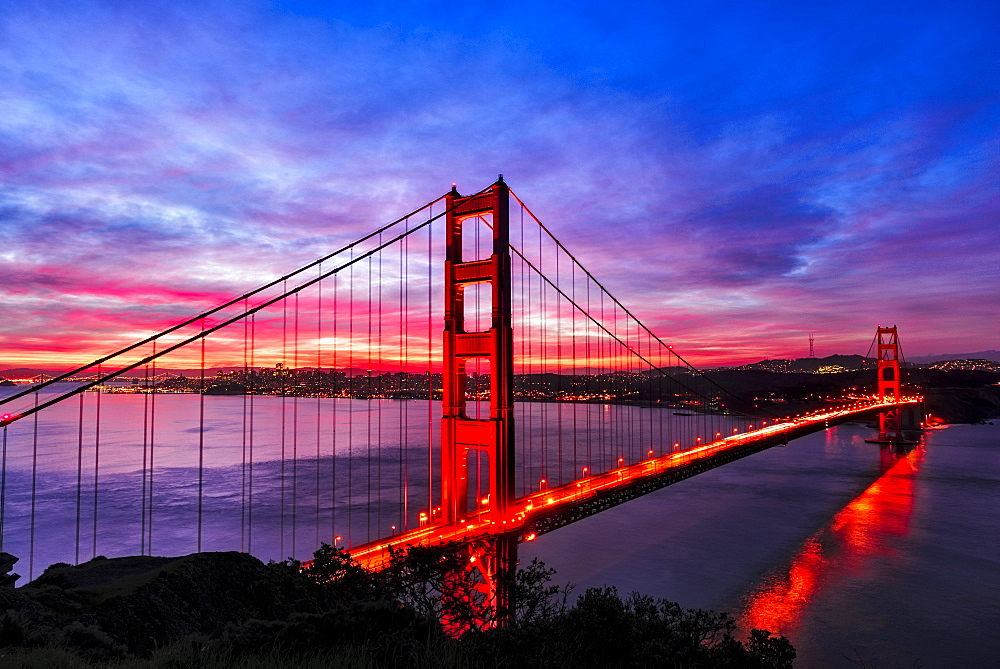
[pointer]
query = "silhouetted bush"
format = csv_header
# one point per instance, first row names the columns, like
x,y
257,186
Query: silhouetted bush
x,y
422,610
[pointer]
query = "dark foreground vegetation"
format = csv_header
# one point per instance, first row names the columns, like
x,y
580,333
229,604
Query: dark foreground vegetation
x,y
231,610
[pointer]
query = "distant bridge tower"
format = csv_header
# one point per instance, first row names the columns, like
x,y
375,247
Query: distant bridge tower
x,y
465,438
889,423
892,423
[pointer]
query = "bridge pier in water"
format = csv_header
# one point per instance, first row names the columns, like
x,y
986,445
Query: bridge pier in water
x,y
491,568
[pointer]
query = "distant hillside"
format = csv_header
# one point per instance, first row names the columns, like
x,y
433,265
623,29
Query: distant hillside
x,y
829,364
979,355
25,373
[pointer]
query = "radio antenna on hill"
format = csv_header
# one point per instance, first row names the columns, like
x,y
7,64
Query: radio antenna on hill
x,y
812,350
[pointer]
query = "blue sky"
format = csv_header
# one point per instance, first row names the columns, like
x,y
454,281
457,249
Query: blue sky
x,y
741,174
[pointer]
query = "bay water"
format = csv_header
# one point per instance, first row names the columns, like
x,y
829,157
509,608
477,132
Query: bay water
x,y
858,553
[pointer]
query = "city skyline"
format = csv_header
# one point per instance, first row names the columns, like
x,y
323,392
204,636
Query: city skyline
x,y
738,178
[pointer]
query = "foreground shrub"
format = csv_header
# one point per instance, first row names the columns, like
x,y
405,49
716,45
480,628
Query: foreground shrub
x,y
334,613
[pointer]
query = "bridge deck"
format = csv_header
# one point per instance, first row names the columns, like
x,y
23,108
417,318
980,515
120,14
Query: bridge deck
x,y
547,510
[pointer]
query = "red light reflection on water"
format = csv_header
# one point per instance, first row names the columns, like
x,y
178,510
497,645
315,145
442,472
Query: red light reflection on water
x,y
859,533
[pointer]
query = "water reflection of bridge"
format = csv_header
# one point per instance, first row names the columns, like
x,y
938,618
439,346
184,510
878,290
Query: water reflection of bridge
x,y
862,532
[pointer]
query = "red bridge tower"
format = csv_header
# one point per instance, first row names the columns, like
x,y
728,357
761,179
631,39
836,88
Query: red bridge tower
x,y
889,424
465,439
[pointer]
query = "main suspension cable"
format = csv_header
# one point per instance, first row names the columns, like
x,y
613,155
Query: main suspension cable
x,y
214,310
10,418
628,312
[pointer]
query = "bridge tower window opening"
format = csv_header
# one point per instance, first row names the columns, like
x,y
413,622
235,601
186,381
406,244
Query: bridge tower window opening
x,y
478,382
477,237
477,307
477,487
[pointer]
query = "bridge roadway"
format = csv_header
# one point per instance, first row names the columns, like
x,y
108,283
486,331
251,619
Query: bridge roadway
x,y
547,510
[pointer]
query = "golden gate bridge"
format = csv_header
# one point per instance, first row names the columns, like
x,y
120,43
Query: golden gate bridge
x,y
329,405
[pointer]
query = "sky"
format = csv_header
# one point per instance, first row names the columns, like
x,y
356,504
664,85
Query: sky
x,y
739,174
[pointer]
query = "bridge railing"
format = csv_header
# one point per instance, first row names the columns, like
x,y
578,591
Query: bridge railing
x,y
547,509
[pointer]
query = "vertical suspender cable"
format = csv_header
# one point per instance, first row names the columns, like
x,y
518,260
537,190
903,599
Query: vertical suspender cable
x,y
378,369
535,370
333,428
145,456
588,353
34,479
97,459
543,321
602,383
3,487
574,387
243,432
559,379
152,444
651,392
430,370
294,378
252,390
201,436
350,402
615,349
624,412
526,334
79,480
284,393
368,408
319,386
404,368
628,410
635,420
